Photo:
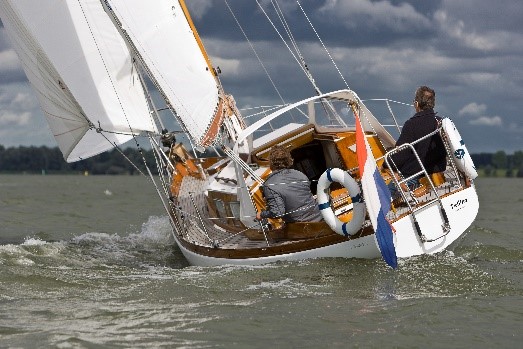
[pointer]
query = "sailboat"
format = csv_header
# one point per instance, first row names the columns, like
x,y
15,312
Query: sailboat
x,y
93,65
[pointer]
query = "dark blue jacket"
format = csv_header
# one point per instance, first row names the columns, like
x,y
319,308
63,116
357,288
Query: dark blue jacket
x,y
431,151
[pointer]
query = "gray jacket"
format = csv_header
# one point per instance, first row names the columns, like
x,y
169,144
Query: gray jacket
x,y
288,195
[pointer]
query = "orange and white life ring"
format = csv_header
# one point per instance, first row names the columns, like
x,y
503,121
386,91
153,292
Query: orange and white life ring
x,y
460,154
358,216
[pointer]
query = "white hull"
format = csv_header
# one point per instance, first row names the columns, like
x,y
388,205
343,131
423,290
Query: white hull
x,y
361,248
461,208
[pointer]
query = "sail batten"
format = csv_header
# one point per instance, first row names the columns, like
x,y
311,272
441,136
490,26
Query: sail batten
x,y
82,72
170,50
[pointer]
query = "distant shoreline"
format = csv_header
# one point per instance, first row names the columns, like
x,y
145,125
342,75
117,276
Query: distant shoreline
x,y
501,173
49,161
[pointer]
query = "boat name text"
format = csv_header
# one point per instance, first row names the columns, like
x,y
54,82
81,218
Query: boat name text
x,y
458,205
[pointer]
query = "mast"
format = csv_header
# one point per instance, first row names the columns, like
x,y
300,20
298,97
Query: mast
x,y
232,119
197,37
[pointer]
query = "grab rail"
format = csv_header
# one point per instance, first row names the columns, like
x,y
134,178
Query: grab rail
x,y
402,180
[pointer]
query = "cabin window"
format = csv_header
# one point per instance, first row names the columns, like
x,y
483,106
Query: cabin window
x,y
235,209
220,209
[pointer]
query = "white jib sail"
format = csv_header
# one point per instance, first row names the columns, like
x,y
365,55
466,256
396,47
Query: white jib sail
x,y
81,70
163,37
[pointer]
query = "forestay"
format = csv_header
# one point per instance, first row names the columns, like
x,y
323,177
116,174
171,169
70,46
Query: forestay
x,y
82,71
161,33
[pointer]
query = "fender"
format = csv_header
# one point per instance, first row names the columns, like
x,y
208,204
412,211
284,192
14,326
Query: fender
x,y
460,154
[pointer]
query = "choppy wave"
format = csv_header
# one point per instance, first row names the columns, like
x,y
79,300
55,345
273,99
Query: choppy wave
x,y
136,290
152,253
153,245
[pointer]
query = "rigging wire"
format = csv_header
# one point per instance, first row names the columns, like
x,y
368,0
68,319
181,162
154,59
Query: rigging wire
x,y
294,43
387,102
150,101
108,75
115,146
281,37
300,60
324,47
326,104
101,131
150,135
134,49
151,178
255,53
296,53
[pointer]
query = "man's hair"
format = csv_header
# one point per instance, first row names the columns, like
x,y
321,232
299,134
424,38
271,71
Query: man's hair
x,y
280,158
426,98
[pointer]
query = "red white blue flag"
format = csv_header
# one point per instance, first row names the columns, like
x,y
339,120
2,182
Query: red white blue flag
x,y
377,196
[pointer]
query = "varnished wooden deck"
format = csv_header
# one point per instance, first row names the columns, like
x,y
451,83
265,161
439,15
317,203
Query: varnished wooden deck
x,y
198,229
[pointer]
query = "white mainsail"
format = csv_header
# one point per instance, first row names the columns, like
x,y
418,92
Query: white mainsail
x,y
82,72
161,32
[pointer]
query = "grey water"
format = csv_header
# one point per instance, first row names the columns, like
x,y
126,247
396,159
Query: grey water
x,y
89,262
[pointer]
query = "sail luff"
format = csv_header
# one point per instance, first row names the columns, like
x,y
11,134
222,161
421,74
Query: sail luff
x,y
197,36
138,55
172,54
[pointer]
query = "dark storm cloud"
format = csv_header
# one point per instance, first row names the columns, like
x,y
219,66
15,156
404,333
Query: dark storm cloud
x,y
342,24
467,50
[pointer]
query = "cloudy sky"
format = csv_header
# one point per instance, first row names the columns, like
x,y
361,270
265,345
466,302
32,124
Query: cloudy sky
x,y
469,51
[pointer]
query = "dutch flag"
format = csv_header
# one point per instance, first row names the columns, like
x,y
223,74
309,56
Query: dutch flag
x,y
377,196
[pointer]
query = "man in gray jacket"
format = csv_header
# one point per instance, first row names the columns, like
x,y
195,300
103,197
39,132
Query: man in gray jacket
x,y
287,191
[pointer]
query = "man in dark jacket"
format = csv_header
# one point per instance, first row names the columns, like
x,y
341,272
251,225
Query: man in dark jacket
x,y
287,191
431,151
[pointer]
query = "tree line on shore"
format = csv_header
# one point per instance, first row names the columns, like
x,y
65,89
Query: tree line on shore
x,y
49,160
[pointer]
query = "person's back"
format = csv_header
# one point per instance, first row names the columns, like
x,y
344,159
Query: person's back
x,y
293,187
287,191
431,151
